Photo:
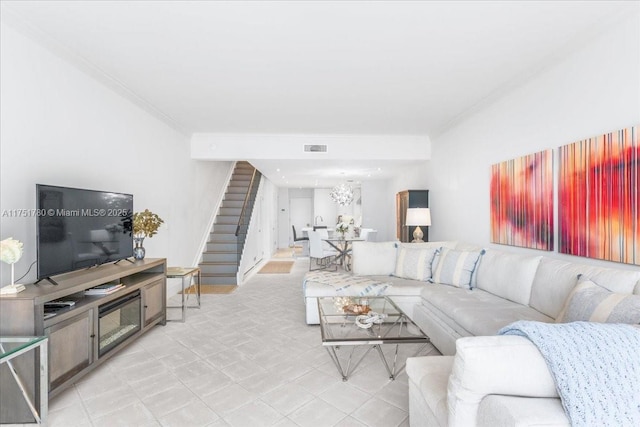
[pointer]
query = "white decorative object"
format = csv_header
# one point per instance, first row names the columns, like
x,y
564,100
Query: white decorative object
x,y
11,252
342,228
342,194
366,321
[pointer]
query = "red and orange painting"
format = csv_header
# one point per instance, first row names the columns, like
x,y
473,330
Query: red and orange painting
x,y
522,201
598,188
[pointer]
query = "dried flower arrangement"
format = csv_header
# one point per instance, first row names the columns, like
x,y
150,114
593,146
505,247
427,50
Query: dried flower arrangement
x,y
146,224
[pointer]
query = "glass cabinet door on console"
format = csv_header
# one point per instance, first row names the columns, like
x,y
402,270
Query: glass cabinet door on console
x,y
70,347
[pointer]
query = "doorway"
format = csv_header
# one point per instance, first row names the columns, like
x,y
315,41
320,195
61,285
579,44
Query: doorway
x,y
300,214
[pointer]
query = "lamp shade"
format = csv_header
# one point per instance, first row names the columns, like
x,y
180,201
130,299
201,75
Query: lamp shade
x,y
418,216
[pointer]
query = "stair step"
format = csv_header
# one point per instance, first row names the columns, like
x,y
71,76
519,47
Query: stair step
x,y
223,237
237,189
222,246
227,219
225,228
235,211
234,196
240,180
232,204
219,256
219,279
241,176
219,267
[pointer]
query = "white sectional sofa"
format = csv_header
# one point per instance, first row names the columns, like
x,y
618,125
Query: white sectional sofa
x,y
376,261
462,319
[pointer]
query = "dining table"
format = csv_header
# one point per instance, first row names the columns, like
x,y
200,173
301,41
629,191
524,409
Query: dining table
x,y
344,246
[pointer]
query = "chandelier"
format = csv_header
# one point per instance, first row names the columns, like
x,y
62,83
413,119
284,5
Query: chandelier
x,y
342,194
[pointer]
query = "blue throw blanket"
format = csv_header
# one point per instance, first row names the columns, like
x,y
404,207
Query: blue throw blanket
x,y
596,368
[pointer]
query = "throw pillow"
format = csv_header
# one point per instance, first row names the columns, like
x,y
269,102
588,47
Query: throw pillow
x,y
414,263
455,268
374,258
593,303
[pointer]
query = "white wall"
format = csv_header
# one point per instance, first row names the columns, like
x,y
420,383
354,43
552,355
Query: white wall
x,y
593,91
324,207
378,208
284,229
262,234
61,127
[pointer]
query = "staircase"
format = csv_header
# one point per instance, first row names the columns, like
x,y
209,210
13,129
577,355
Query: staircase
x,y
221,258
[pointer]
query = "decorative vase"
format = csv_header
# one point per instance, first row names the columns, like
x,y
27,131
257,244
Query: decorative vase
x,y
138,249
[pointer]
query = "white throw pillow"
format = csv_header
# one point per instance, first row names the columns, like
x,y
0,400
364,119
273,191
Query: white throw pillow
x,y
374,258
454,268
507,275
414,263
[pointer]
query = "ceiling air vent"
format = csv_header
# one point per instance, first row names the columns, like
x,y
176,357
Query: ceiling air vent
x,y
315,148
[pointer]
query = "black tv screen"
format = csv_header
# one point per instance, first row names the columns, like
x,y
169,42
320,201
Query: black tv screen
x,y
80,228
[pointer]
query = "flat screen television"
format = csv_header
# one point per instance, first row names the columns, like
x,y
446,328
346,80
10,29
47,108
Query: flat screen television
x,y
78,228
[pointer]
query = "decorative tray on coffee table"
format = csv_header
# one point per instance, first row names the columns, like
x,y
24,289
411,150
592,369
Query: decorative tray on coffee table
x,y
356,309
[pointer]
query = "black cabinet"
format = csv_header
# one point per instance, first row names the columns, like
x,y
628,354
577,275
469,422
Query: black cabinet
x,y
410,199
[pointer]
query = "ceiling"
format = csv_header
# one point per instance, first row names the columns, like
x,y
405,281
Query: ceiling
x,y
313,67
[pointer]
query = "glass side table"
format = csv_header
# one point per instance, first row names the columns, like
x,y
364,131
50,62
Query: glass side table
x,y
12,347
187,275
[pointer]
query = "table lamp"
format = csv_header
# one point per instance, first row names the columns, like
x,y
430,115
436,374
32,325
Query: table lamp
x,y
417,217
11,252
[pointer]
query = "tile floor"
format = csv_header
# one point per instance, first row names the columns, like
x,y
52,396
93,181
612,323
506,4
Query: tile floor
x,y
244,359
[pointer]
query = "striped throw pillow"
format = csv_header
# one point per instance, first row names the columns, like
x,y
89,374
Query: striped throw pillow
x,y
454,268
414,263
590,302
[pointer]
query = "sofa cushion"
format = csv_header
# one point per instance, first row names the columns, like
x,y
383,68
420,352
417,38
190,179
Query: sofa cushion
x,y
592,303
555,279
505,365
455,268
475,312
428,377
414,263
497,410
374,258
507,275
402,287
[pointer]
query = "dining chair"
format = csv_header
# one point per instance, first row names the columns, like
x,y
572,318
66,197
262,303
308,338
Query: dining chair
x,y
298,239
324,258
368,234
324,234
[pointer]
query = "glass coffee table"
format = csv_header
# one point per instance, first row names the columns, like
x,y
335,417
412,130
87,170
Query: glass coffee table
x,y
12,347
340,327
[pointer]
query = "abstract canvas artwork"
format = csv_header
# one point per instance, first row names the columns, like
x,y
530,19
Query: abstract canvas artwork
x,y
522,201
599,212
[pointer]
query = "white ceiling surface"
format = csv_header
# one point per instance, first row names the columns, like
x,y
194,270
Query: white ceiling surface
x,y
313,67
